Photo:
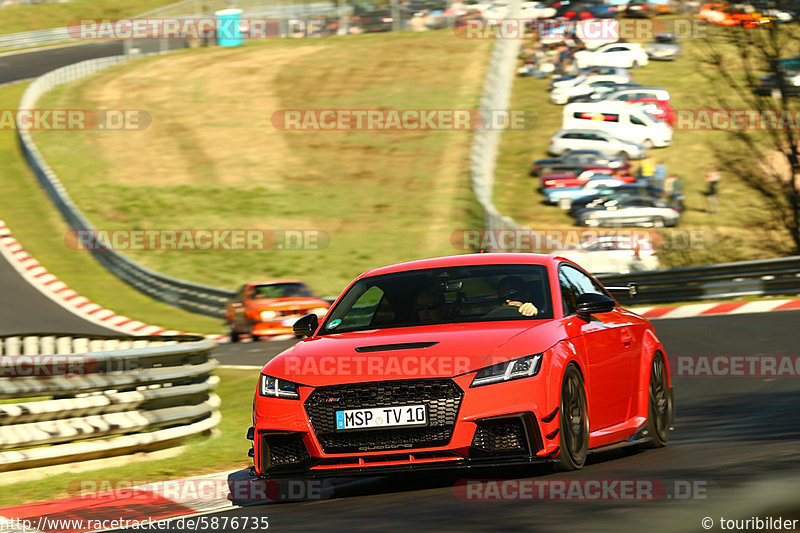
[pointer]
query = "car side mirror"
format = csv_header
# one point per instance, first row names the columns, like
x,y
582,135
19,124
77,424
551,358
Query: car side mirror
x,y
306,326
591,303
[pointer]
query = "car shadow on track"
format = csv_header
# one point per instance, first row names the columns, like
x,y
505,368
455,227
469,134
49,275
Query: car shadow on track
x,y
247,491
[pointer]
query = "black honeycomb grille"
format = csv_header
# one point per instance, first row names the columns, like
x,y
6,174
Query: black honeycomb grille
x,y
442,399
501,436
283,449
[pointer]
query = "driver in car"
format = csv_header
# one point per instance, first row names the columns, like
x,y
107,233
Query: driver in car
x,y
511,292
431,307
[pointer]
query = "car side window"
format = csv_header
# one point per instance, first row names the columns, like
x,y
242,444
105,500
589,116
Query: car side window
x,y
637,121
573,283
365,309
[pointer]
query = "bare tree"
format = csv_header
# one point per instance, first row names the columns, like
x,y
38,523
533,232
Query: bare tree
x,y
764,151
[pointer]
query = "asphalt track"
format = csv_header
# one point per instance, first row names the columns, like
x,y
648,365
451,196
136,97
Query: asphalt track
x,y
736,437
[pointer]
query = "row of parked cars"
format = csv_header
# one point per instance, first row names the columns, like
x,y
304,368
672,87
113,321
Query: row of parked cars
x,y
609,122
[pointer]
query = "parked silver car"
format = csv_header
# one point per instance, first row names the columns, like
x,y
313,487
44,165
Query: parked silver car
x,y
630,211
587,139
665,47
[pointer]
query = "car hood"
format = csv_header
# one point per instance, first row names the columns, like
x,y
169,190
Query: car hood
x,y
418,352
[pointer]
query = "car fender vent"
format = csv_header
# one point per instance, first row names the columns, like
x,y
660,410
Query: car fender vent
x,y
399,346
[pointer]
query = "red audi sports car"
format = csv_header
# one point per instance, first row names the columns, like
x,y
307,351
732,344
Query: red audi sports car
x,y
482,359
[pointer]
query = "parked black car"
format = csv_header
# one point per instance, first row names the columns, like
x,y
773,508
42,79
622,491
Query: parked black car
x,y
610,193
575,160
770,85
374,21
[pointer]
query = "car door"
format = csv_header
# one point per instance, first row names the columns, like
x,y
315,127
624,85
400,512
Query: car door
x,y
616,56
608,343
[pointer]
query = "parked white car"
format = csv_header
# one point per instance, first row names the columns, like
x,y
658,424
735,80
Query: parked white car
x,y
589,139
536,11
625,55
637,93
623,120
615,254
561,95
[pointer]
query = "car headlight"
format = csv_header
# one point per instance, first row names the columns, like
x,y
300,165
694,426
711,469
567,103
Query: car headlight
x,y
277,388
515,369
319,311
266,315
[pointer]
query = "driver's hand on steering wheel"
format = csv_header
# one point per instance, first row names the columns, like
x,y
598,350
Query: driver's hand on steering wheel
x,y
526,308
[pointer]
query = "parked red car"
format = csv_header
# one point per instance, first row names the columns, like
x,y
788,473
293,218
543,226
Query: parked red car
x,y
571,179
478,359
660,109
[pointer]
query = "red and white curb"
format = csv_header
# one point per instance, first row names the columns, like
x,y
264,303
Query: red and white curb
x,y
110,509
121,505
55,289
725,308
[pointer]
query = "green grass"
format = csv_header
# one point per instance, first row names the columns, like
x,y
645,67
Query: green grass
x,y
226,450
34,221
739,230
211,158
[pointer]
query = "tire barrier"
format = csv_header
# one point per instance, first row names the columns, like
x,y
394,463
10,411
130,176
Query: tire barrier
x,y
79,398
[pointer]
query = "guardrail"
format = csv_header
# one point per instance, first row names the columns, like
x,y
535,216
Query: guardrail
x,y
188,295
80,398
766,277
495,98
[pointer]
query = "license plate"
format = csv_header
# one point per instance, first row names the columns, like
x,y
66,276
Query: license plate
x,y
382,417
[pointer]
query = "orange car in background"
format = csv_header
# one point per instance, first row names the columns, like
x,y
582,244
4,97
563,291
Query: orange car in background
x,y
268,308
711,13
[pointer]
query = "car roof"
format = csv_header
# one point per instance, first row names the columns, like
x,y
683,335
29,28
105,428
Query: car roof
x,y
601,106
465,260
273,282
582,130
640,88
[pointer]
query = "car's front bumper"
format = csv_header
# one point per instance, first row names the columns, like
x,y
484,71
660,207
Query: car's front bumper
x,y
505,423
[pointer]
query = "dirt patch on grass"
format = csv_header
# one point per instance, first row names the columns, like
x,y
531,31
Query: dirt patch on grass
x,y
210,120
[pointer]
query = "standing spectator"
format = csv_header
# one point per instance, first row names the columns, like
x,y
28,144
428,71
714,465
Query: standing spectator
x,y
660,175
712,180
673,191
647,169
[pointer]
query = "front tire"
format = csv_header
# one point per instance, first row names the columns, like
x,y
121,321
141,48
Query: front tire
x,y
658,409
233,334
574,428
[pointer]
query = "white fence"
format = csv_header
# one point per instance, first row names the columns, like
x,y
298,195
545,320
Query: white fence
x,y
496,96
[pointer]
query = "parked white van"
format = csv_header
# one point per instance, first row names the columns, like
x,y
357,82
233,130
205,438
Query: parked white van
x,y
623,120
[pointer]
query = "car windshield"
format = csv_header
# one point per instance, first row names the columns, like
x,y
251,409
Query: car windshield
x,y
281,290
442,296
